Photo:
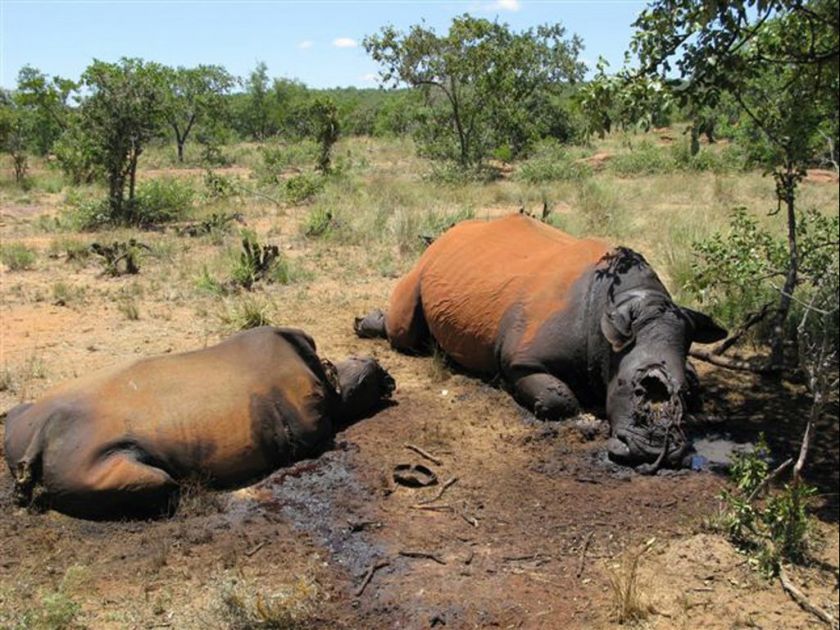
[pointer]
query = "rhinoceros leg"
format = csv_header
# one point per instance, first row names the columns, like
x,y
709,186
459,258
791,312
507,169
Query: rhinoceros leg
x,y
405,320
547,397
119,484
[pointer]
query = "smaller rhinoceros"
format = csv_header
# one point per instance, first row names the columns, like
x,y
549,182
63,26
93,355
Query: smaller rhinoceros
x,y
564,321
120,442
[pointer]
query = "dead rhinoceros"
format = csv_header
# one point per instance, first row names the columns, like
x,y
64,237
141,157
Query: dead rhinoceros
x,y
564,321
121,441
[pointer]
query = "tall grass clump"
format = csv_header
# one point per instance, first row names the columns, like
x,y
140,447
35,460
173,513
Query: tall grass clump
x,y
644,159
243,605
17,256
550,161
728,158
629,602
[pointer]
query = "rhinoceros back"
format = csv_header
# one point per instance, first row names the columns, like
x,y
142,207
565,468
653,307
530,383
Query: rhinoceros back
x,y
479,274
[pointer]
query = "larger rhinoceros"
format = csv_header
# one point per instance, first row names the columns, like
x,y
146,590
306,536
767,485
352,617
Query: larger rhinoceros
x,y
121,442
562,320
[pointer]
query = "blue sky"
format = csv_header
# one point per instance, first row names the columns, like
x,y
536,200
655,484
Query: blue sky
x,y
317,42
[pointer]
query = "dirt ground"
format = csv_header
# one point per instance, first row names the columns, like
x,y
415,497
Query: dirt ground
x,y
529,535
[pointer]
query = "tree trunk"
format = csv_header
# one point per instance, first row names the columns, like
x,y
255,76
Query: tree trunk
x,y
786,182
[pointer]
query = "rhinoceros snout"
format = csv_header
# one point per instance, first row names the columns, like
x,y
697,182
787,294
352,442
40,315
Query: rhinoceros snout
x,y
651,435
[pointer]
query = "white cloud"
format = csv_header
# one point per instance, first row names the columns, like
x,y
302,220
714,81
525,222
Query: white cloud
x,y
370,77
504,5
344,42
306,43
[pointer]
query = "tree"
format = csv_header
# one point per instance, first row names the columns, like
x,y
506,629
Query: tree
x,y
45,101
195,95
611,100
780,61
478,79
323,115
257,111
14,132
124,109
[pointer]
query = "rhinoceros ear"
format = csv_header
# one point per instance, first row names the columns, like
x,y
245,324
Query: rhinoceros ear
x,y
617,326
704,328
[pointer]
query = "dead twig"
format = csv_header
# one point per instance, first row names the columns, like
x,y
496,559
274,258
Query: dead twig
x,y
433,508
769,479
369,575
423,453
799,597
583,551
733,364
469,519
440,492
423,555
250,552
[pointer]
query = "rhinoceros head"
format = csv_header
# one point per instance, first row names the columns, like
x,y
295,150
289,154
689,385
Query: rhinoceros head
x,y
363,386
649,387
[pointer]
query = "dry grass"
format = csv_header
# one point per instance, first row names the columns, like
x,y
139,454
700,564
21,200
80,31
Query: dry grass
x,y
244,605
630,603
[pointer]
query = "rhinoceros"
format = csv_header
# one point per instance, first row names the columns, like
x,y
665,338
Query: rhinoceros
x,y
121,442
563,321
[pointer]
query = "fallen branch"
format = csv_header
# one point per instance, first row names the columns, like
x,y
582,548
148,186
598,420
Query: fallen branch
x,y
769,479
423,555
733,364
799,597
583,553
423,453
751,321
440,492
369,575
250,552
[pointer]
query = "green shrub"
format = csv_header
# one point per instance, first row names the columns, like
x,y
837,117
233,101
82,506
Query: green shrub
x,y
549,162
161,201
303,187
774,531
319,222
644,159
725,159
739,272
17,256
279,158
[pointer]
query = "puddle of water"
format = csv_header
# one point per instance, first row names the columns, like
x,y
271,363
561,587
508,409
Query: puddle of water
x,y
718,450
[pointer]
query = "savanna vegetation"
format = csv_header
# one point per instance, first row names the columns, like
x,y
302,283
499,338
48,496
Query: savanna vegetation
x,y
155,207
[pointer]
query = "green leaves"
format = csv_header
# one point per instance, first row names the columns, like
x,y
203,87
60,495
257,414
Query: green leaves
x,y
478,80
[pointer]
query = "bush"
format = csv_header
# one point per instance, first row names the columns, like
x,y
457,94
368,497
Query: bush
x,y
726,159
645,159
303,187
157,201
551,162
17,257
279,158
738,273
162,201
318,223
770,533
